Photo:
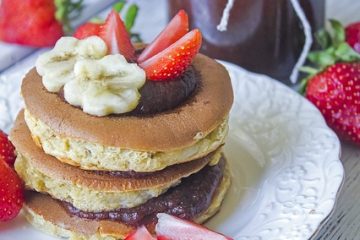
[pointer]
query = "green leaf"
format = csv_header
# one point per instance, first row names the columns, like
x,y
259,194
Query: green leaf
x,y
338,32
309,70
345,53
322,58
119,5
66,11
131,16
323,38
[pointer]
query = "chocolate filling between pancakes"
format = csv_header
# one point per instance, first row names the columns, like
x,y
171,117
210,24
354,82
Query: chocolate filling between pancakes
x,y
187,200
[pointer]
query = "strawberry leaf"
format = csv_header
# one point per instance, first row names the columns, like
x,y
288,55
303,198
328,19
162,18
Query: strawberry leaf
x,y
346,53
131,16
119,6
321,58
323,38
66,11
338,32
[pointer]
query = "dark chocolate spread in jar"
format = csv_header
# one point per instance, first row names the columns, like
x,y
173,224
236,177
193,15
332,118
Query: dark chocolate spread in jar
x,y
187,200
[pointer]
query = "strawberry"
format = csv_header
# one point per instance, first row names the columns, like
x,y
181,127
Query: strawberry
x,y
177,28
334,88
174,228
173,61
7,150
88,29
353,36
114,33
335,91
38,29
140,233
11,193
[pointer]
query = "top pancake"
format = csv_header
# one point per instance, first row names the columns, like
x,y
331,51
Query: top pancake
x,y
166,131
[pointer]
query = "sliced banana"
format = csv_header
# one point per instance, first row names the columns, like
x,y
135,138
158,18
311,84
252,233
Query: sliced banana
x,y
57,65
100,84
105,86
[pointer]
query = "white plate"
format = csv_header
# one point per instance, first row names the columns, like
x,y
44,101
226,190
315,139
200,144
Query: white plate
x,y
284,160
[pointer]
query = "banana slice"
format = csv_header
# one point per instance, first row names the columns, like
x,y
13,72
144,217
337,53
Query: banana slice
x,y
57,65
105,86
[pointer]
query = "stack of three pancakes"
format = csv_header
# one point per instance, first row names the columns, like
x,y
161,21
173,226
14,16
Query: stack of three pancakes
x,y
100,177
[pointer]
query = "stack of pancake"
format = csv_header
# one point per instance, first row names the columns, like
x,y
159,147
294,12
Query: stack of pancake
x,y
93,177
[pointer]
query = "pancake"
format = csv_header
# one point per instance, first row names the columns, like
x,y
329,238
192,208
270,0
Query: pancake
x,y
123,143
91,156
49,216
45,173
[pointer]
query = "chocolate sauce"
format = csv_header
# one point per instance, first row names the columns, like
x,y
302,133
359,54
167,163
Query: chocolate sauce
x,y
134,174
160,96
187,200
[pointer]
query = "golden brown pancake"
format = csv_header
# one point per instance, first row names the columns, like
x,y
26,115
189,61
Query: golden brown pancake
x,y
166,131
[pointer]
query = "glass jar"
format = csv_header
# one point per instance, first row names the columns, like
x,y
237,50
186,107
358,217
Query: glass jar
x,y
264,36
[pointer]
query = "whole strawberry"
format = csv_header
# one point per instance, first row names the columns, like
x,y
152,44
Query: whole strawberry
x,y
353,36
36,23
335,86
7,150
11,193
336,92
29,22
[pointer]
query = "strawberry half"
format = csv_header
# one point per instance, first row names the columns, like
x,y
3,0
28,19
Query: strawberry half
x,y
140,233
173,61
173,228
117,39
88,29
7,150
11,193
177,28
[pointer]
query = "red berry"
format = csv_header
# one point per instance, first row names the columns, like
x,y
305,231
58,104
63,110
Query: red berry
x,y
88,29
336,92
353,36
114,33
11,193
140,233
173,61
7,150
177,28
38,29
174,228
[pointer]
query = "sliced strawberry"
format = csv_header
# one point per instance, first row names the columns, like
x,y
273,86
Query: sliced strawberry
x,y
88,29
177,28
11,193
174,228
173,61
117,39
140,233
7,150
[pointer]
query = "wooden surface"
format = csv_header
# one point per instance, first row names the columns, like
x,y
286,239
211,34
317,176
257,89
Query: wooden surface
x,y
344,223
